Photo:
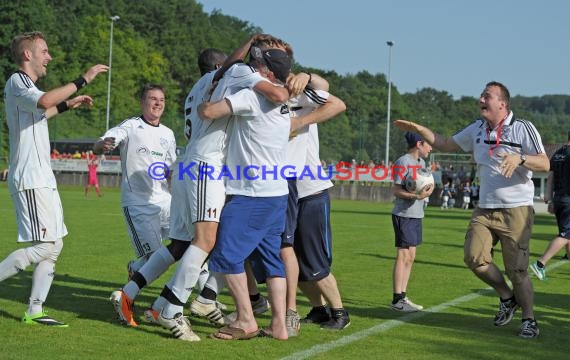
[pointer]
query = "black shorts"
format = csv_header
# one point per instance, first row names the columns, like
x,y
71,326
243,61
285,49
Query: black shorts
x,y
407,231
288,236
562,212
313,245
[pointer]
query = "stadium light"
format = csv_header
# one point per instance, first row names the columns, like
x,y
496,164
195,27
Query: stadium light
x,y
113,19
390,44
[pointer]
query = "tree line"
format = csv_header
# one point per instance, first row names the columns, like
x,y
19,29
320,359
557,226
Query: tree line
x,y
159,42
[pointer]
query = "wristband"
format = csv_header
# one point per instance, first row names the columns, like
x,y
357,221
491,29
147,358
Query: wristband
x,y
80,82
62,107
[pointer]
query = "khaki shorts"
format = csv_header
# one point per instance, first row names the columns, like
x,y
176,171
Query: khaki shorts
x,y
511,227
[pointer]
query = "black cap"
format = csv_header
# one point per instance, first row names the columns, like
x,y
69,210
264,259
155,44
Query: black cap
x,y
412,138
276,60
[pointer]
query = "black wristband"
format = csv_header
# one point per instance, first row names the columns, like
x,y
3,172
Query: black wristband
x,y
80,82
62,107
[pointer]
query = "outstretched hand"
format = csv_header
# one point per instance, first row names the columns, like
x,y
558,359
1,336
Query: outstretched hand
x,y
406,125
80,100
94,71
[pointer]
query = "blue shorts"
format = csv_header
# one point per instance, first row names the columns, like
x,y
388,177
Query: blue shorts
x,y
314,238
248,224
288,237
407,231
562,212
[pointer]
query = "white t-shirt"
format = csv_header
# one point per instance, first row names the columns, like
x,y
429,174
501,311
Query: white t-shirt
x,y
306,185
143,145
517,136
301,105
208,140
258,146
30,166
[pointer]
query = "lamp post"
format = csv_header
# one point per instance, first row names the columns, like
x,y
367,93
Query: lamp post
x,y
113,19
390,44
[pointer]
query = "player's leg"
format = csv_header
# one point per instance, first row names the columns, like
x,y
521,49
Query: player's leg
x,y
40,220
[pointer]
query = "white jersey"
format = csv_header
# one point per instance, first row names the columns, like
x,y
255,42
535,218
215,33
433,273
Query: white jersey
x,y
302,105
258,146
30,166
208,138
516,136
143,146
306,185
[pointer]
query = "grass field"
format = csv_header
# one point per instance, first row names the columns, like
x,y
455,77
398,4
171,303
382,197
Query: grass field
x,y
457,322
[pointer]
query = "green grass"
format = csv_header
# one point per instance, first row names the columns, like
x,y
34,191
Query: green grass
x,y
95,254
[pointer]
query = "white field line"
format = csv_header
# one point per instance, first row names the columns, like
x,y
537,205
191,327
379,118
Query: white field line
x,y
385,326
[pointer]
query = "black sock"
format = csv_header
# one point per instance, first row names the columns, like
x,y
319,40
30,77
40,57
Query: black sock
x,y
208,293
509,299
254,298
539,264
139,279
397,297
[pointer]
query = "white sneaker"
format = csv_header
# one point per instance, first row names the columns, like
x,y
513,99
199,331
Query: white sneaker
x,y
209,311
179,326
405,305
419,307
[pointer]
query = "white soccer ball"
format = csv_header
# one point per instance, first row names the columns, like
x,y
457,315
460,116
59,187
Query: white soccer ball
x,y
415,183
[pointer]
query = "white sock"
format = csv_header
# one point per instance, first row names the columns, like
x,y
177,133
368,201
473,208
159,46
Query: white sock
x,y
135,265
203,278
216,282
41,283
155,266
15,262
158,304
185,278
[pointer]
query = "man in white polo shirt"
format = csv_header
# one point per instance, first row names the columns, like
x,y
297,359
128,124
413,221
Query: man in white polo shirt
x,y
507,150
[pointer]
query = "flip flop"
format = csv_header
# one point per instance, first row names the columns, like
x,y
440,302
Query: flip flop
x,y
234,333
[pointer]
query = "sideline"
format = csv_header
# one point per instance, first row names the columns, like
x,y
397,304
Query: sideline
x,y
385,326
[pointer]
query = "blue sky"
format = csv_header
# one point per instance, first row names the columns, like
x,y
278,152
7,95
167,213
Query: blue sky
x,y
451,45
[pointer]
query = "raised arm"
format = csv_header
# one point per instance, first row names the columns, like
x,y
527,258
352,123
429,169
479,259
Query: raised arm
x,y
54,97
331,108
297,83
436,140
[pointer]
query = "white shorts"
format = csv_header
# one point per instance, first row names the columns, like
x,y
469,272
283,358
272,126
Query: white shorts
x,y
180,220
39,215
147,226
466,199
207,195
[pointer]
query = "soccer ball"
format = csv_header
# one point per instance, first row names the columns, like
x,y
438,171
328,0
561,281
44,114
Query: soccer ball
x,y
415,184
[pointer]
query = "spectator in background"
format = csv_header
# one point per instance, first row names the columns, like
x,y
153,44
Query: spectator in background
x,y
474,194
4,175
466,195
92,180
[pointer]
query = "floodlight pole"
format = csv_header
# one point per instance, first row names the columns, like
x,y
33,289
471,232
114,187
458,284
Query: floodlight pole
x,y
113,19
387,158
